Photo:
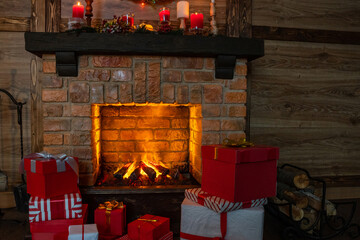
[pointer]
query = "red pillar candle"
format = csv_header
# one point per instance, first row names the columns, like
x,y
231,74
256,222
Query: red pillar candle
x,y
196,20
128,19
78,11
164,14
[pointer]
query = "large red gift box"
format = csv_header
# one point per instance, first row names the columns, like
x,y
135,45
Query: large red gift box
x,y
148,227
111,223
49,176
62,207
239,174
56,229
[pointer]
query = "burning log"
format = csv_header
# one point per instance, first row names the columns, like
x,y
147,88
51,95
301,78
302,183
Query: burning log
x,y
287,193
163,170
121,173
293,179
149,171
135,174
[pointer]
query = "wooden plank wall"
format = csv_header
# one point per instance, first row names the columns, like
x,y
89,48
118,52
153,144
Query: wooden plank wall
x,y
15,78
305,92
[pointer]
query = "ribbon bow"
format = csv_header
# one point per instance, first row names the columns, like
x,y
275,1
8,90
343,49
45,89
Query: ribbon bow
x,y
109,206
60,159
234,143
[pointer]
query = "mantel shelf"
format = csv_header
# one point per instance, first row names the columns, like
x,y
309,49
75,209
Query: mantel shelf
x,y
67,46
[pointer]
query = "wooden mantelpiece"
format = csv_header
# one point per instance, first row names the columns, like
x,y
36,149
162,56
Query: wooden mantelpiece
x,y
67,46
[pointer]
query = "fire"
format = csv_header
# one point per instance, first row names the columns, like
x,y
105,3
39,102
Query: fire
x,y
130,170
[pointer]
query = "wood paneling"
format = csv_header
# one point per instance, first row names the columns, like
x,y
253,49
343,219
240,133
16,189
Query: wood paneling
x,y
14,24
14,74
305,98
308,14
37,25
52,15
305,35
15,8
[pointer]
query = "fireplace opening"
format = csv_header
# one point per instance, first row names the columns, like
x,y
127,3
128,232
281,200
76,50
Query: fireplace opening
x,y
146,144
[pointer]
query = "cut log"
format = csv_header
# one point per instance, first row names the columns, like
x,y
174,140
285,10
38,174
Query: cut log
x,y
121,173
293,179
149,171
135,174
163,170
310,217
291,195
296,212
315,203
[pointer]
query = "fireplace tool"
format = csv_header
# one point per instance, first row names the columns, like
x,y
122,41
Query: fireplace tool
x,y
323,226
20,193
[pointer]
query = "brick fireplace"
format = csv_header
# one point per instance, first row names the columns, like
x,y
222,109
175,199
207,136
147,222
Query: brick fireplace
x,y
69,105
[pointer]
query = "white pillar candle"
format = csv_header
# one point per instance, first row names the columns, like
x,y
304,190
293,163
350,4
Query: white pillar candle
x,y
183,9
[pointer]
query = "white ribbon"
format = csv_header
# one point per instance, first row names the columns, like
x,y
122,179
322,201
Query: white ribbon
x,y
61,160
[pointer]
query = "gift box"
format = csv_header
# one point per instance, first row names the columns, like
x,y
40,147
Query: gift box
x,y
218,204
83,232
148,227
49,176
199,222
110,218
168,236
59,228
239,174
62,207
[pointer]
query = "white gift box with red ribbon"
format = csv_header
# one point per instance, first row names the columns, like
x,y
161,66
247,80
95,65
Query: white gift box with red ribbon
x,y
67,206
218,204
83,232
201,223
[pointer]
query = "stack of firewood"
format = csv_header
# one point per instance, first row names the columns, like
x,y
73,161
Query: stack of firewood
x,y
296,193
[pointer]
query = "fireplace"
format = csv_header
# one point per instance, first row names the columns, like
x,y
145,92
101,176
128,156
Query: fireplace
x,y
143,99
145,144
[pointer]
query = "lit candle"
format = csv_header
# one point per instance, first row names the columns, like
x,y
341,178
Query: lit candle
x,y
196,20
164,14
182,8
128,19
78,11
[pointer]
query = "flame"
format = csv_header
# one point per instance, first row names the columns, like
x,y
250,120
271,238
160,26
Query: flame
x,y
78,3
130,169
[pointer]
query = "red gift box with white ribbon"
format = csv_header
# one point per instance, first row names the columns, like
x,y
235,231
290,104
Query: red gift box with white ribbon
x,y
239,174
148,227
62,207
218,204
51,175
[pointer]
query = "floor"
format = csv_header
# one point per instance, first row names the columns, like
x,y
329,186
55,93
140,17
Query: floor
x,y
14,226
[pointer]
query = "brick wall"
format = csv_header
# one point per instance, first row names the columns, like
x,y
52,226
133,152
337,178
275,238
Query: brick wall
x,y
112,79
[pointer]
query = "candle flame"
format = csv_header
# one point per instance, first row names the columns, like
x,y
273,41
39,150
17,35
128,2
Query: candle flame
x,y
78,3
142,4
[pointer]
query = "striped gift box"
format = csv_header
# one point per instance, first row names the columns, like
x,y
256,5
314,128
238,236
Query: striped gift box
x,y
168,236
218,204
67,206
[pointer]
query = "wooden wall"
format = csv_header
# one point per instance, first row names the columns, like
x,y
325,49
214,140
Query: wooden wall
x,y
15,78
305,92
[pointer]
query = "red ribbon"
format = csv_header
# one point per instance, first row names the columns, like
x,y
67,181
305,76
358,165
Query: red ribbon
x,y
82,232
223,227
